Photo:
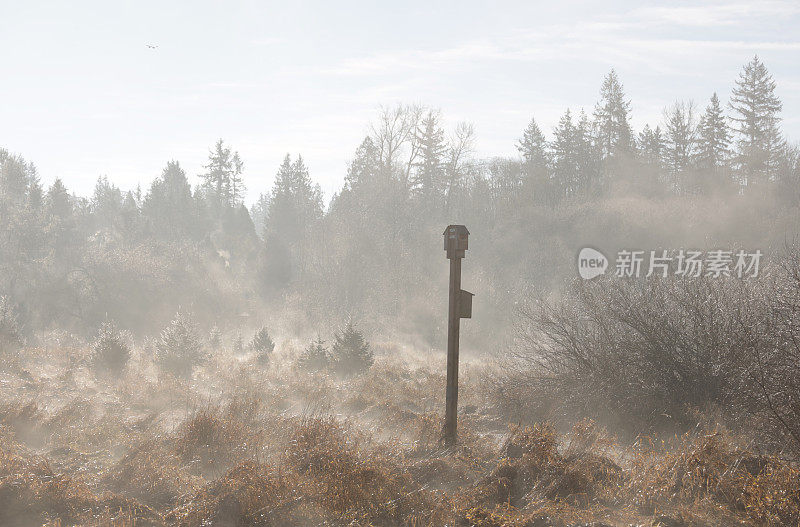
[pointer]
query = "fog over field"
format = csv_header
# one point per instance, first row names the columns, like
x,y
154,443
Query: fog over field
x,y
244,319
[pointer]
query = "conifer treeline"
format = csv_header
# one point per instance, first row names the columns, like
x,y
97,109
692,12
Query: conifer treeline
x,y
133,256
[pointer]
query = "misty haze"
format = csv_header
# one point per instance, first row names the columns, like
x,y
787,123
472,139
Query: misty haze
x,y
413,265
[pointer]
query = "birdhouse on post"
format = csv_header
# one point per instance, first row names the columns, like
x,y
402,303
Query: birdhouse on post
x,y
456,242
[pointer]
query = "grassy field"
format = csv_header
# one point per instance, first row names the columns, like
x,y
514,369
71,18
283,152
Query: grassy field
x,y
243,443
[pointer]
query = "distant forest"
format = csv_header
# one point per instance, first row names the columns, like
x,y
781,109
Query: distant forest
x,y
719,175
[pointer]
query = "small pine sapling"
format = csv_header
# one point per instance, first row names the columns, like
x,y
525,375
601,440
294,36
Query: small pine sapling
x,y
263,345
315,357
178,348
351,352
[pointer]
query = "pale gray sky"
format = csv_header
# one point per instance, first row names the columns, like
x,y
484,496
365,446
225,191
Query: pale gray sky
x,y
81,94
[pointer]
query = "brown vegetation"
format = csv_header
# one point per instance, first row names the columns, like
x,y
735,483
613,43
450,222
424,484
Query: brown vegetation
x,y
252,448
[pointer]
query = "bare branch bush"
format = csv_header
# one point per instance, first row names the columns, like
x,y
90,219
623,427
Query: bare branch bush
x,y
647,354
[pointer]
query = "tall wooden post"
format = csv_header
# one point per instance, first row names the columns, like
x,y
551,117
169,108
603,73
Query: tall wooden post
x,y
460,306
453,327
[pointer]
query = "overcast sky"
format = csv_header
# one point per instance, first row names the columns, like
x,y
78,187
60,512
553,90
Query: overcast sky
x,y
81,94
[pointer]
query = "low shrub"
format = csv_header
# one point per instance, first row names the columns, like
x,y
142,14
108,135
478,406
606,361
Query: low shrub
x,y
111,349
215,338
315,357
9,326
212,438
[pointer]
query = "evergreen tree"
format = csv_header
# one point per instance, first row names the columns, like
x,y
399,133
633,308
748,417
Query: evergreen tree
x,y
217,180
222,183
712,137
263,345
13,181
564,150
295,205
427,182
237,182
259,212
307,195
755,115
169,203
350,352
533,147
34,189
58,202
315,357
364,167
284,179
612,122
262,341
238,224
651,145
59,219
106,203
282,228
680,136
129,214
587,159
179,348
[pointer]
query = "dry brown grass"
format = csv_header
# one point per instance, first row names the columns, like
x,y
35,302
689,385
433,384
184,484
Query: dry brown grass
x,y
212,441
244,446
347,479
151,473
248,494
713,468
31,493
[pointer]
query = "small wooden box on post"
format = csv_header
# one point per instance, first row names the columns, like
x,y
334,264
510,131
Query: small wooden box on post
x,y
456,242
